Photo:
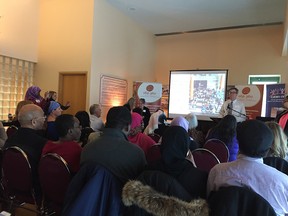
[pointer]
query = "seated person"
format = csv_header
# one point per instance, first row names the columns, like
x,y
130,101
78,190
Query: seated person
x,y
28,138
112,149
282,117
255,139
183,122
67,146
225,131
54,111
136,136
279,146
174,149
86,130
3,135
96,122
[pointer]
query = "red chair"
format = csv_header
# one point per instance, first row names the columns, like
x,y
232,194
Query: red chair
x,y
204,159
54,176
153,153
17,178
219,148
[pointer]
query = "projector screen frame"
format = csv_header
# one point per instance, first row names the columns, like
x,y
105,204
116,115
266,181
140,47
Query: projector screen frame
x,y
221,88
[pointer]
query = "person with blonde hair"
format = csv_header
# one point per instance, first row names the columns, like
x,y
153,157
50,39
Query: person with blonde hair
x,y
279,146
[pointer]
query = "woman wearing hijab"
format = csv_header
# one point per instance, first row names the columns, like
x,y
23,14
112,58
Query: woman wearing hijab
x,y
174,149
33,94
184,123
136,136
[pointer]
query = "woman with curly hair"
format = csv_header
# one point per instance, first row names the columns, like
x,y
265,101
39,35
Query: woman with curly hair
x,y
225,131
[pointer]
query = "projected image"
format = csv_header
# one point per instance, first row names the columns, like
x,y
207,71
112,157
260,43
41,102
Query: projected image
x,y
200,92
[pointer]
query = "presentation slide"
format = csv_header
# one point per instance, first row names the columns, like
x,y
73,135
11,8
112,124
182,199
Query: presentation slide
x,y
199,91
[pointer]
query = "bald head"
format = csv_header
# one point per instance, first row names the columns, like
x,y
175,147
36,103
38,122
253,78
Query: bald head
x,y
31,116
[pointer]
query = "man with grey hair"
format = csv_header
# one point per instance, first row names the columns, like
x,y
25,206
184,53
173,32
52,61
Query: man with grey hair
x,y
28,138
95,114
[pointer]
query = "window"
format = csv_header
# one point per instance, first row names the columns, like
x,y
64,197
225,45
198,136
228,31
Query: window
x,y
264,79
15,77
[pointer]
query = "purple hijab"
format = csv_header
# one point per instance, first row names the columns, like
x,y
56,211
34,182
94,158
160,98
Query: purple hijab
x,y
33,94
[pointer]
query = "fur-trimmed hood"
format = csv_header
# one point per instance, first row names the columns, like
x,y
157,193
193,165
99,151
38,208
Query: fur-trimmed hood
x,y
145,197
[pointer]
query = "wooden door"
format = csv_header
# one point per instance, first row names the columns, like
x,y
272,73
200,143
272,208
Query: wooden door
x,y
72,87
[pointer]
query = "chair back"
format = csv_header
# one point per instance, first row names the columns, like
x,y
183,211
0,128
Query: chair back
x,y
11,130
17,175
219,148
54,176
155,137
278,163
204,159
153,153
234,201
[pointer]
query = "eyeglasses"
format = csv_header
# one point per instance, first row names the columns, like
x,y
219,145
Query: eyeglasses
x,y
44,117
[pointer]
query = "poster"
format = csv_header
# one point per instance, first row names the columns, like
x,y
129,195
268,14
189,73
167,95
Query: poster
x,y
252,97
275,94
151,92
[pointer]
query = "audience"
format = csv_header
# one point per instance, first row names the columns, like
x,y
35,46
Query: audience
x,y
136,136
182,122
33,94
54,111
153,122
86,130
31,118
255,140
112,150
174,149
225,131
145,112
130,104
69,131
52,96
196,135
3,135
282,117
279,146
95,114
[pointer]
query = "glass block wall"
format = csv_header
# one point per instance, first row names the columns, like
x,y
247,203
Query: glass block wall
x,y
16,76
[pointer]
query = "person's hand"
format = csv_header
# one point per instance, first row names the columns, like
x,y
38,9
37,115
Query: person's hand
x,y
68,103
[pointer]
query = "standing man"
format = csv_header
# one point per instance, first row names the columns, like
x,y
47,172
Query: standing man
x,y
95,114
233,107
145,112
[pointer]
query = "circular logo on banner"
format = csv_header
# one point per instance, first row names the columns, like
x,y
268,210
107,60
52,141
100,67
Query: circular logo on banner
x,y
250,96
151,92
245,90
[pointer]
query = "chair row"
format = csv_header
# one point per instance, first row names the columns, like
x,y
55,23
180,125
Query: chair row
x,y
20,185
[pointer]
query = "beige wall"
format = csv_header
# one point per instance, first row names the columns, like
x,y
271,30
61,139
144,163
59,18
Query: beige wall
x,y
121,49
19,29
242,51
65,40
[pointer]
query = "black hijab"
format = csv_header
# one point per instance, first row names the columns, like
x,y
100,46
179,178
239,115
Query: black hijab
x,y
174,147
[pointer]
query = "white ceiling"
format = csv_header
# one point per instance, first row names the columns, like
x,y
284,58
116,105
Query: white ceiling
x,y
174,16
